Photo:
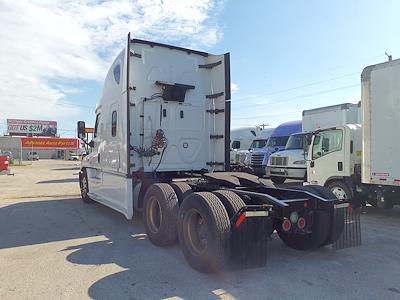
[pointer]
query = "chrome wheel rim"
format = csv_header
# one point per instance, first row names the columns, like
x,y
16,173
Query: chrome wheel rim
x,y
339,193
84,186
195,232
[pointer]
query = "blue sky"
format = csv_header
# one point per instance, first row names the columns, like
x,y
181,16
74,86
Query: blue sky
x,y
286,56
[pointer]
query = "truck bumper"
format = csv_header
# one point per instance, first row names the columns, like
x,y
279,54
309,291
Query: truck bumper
x,y
258,170
287,172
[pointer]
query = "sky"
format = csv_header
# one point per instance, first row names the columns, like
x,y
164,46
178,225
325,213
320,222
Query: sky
x,y
286,55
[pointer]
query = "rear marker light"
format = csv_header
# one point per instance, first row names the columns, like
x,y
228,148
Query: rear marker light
x,y
294,216
240,220
286,225
305,204
301,223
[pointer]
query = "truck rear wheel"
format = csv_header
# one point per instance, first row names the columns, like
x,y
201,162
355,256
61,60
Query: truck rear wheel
x,y
84,186
160,214
231,201
204,232
182,189
340,190
337,223
278,180
320,230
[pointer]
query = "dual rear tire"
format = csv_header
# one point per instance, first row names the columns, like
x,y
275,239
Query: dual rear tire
x,y
160,214
199,220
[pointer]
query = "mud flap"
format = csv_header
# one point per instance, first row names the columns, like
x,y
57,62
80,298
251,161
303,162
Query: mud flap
x,y
346,230
251,230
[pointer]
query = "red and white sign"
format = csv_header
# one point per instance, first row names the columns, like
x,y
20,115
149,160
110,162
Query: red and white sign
x,y
49,143
36,127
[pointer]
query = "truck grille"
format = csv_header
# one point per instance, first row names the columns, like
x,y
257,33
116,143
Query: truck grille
x,y
257,159
278,161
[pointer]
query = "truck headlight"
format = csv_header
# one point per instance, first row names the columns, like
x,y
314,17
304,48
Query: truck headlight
x,y
299,162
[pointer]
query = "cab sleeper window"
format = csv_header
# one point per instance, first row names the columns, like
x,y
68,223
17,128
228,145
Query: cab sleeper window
x,y
327,142
114,123
117,73
96,125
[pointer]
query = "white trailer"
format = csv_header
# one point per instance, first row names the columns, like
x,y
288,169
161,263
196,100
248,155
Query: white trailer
x,y
329,116
359,161
161,148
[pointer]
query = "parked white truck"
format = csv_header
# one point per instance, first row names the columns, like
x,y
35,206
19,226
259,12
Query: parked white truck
x,y
161,147
361,160
291,162
241,139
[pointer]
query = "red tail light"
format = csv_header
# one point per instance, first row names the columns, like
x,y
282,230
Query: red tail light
x,y
240,220
286,225
301,223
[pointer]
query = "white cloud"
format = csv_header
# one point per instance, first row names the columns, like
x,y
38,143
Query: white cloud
x,y
44,41
234,88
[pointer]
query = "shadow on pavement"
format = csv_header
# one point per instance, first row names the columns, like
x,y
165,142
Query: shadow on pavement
x,y
149,272
37,222
67,169
66,180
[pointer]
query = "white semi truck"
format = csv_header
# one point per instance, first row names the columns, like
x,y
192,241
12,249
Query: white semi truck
x,y
361,160
241,139
161,148
291,162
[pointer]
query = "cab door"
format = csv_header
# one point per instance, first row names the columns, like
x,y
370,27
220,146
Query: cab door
x,y
327,156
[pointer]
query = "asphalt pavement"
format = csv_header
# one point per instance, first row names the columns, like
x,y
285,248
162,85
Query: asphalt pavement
x,y
54,246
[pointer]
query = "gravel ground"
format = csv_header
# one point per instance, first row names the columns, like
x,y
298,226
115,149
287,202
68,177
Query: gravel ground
x,y
54,246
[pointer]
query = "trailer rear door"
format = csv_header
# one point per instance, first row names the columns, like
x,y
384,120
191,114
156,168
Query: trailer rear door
x,y
381,123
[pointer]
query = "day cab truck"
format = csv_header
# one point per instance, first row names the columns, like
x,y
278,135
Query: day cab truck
x,y
361,160
161,148
291,162
276,142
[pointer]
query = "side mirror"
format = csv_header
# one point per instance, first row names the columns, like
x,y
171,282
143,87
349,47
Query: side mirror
x,y
309,139
236,145
81,129
91,144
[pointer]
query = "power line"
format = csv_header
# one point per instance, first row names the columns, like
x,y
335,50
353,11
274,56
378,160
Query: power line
x,y
268,115
278,101
313,94
311,84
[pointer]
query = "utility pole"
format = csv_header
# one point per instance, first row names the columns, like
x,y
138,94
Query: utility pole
x,y
389,56
264,125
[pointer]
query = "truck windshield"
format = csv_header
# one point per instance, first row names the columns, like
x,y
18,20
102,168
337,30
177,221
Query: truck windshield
x,y
277,141
258,143
295,142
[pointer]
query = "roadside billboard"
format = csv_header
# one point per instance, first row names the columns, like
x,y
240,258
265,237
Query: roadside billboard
x,y
49,143
31,127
